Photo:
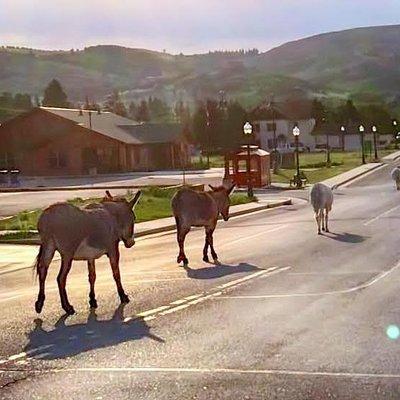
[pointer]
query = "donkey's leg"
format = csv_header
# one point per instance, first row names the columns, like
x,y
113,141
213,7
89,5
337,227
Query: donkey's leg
x,y
205,249
46,254
210,233
183,231
114,262
92,279
326,221
323,219
318,219
66,263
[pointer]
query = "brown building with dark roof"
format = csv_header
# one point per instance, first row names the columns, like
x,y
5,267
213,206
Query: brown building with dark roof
x,y
58,141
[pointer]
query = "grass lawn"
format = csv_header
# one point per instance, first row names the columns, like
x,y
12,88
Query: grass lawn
x,y
154,203
313,165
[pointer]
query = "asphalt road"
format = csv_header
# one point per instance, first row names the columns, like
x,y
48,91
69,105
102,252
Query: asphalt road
x,y
288,314
13,202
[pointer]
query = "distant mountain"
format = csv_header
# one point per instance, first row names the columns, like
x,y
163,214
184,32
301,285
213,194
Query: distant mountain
x,y
364,62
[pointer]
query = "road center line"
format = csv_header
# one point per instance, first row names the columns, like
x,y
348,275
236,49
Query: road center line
x,y
362,286
184,303
370,221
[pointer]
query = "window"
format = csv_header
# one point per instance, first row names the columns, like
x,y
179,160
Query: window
x,y
57,159
271,126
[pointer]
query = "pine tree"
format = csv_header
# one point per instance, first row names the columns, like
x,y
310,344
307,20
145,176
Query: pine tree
x,y
142,114
54,95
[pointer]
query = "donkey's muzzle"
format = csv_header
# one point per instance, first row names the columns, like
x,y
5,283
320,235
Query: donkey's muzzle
x,y
128,243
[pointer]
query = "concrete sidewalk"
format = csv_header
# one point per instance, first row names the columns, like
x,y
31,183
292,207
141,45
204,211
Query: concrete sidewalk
x,y
348,176
391,157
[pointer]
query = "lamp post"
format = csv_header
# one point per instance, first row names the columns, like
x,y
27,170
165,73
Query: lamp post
x,y
296,133
374,131
248,130
343,131
394,123
362,129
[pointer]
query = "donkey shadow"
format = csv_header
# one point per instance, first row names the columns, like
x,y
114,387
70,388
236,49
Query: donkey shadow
x,y
70,340
346,237
219,270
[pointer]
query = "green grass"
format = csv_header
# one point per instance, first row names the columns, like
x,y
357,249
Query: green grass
x,y
314,165
154,203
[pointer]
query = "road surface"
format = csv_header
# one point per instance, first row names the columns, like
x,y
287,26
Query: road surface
x,y
288,314
13,202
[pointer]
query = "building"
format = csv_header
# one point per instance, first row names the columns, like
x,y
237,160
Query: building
x,y
278,122
349,139
57,141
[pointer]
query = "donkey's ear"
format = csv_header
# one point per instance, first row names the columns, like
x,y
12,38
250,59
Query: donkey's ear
x,y
133,202
108,195
230,190
212,188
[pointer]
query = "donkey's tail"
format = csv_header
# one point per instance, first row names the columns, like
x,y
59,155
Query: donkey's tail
x,y
36,265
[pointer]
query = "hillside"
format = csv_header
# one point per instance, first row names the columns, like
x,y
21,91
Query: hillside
x,y
363,61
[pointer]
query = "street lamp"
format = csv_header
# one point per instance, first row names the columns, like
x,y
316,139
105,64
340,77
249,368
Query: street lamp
x,y
343,130
296,133
248,130
394,123
362,129
374,130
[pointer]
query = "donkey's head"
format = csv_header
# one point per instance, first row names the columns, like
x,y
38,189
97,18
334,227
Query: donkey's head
x,y
123,212
221,197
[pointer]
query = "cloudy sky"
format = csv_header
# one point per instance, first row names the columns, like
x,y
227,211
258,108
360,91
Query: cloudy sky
x,y
187,26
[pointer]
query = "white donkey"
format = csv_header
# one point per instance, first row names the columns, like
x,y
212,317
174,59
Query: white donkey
x,y
396,176
321,198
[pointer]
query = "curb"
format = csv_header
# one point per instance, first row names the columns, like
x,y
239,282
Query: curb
x,y
166,228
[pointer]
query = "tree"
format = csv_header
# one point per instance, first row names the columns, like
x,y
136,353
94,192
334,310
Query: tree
x,y
142,114
115,104
23,101
54,95
236,117
318,112
159,110
132,110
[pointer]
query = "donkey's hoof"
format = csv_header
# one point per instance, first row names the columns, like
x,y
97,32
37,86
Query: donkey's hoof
x,y
39,306
319,233
216,261
206,259
124,299
327,230
69,310
93,303
185,262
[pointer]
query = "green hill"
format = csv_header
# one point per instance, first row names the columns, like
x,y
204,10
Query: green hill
x,y
364,62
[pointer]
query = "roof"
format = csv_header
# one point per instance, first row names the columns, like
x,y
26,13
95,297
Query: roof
x,y
119,128
290,110
257,152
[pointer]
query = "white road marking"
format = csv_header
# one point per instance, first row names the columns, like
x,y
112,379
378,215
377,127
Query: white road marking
x,y
370,221
184,303
231,371
365,285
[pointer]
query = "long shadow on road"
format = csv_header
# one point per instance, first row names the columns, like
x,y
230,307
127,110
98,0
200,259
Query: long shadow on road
x,y
69,340
218,271
346,237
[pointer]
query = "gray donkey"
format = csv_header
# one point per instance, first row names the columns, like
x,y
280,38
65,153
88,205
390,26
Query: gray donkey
x,y
321,197
192,208
84,234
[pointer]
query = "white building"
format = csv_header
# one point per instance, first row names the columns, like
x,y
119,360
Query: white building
x,y
269,123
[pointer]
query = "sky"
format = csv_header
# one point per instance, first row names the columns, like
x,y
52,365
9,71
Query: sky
x,y
186,26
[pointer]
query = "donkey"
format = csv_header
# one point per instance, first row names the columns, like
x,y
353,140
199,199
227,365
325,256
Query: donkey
x,y
321,197
192,208
396,176
84,234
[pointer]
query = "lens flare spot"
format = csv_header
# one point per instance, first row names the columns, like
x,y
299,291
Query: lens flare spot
x,y
393,332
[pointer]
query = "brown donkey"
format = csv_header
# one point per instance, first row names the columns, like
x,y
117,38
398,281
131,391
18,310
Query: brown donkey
x,y
193,208
84,234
